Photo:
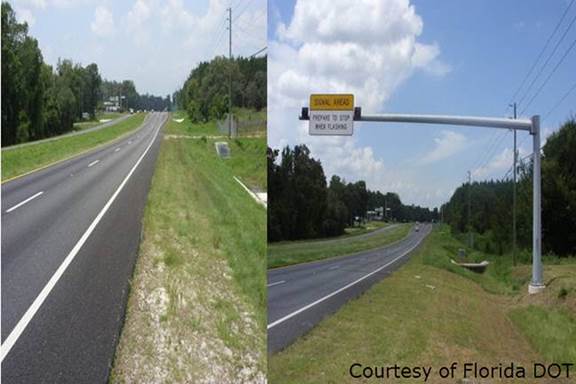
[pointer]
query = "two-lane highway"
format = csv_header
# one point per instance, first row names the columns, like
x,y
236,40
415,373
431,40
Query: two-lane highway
x,y
70,236
302,295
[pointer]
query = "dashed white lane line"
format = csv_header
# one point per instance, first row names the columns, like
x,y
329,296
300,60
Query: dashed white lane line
x,y
276,283
93,163
117,149
24,202
130,142
334,267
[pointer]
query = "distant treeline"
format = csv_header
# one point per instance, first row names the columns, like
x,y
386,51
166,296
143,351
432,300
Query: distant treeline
x,y
204,94
303,206
491,202
39,101
131,99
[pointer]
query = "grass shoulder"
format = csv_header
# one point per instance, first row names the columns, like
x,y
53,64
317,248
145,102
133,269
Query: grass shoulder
x,y
19,161
288,253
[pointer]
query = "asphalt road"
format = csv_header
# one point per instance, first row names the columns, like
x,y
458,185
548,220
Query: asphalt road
x,y
70,236
300,296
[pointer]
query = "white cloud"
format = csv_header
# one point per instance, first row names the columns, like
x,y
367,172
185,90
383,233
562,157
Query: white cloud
x,y
447,145
24,15
137,19
103,23
499,163
42,4
368,48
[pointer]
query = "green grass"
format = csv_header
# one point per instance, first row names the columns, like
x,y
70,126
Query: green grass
x,y
18,161
498,277
248,155
188,128
287,253
248,161
552,332
203,251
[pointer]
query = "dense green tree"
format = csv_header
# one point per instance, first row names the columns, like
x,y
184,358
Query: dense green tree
x,y
491,216
205,93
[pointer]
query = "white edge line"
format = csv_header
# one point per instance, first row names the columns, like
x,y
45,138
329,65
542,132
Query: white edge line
x,y
93,163
29,314
254,196
24,202
276,283
283,319
117,149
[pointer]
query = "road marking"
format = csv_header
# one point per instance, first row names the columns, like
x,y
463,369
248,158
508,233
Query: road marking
x,y
117,149
276,283
93,163
306,307
31,311
130,142
24,202
252,194
334,267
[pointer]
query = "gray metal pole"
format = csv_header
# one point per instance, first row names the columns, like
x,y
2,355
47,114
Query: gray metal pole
x,y
230,70
537,284
514,197
470,244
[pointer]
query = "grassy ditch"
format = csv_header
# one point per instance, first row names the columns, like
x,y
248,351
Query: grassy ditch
x,y
287,253
196,311
428,315
19,161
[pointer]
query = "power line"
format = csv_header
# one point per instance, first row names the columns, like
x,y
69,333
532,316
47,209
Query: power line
x,y
547,61
570,90
550,75
242,11
541,52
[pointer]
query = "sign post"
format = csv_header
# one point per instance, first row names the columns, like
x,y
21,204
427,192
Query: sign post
x,y
327,122
331,114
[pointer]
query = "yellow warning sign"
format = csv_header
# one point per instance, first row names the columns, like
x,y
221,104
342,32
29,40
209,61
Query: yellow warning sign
x,y
333,102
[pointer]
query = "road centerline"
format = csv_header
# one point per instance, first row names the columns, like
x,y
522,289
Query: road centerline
x,y
24,202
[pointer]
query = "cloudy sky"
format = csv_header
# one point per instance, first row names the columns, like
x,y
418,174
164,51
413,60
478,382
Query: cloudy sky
x,y
153,42
401,56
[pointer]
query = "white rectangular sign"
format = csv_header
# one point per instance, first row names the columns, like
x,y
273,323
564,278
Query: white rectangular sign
x,y
331,123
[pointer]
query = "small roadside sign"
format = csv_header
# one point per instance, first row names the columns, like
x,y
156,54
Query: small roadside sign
x,y
331,114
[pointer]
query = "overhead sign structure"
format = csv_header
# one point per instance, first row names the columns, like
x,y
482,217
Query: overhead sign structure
x,y
331,114
333,104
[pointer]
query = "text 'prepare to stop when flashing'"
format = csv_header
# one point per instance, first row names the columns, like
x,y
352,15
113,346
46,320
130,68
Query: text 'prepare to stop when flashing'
x,y
464,371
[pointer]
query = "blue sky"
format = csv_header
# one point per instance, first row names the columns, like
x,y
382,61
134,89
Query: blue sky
x,y
156,43
464,58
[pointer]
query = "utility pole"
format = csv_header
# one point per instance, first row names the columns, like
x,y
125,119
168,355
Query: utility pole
x,y
230,72
469,210
514,196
